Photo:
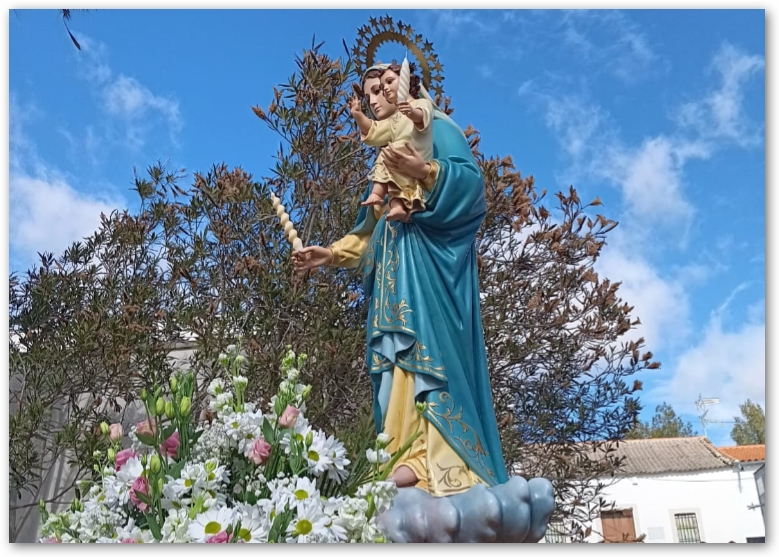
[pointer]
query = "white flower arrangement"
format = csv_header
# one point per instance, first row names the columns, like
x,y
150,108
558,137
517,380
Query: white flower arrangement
x,y
241,476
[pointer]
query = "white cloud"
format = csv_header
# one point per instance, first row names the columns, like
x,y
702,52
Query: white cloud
x,y
49,215
128,98
657,214
719,115
130,104
577,124
725,363
659,301
46,213
650,177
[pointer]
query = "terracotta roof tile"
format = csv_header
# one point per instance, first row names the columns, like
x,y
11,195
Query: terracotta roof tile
x,y
744,453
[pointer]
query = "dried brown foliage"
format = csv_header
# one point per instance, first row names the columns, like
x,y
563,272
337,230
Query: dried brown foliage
x,y
210,259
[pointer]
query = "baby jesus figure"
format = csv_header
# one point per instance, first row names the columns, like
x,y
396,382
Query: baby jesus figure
x,y
399,123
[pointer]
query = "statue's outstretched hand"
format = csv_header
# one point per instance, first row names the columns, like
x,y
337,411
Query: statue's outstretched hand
x,y
355,105
311,257
406,161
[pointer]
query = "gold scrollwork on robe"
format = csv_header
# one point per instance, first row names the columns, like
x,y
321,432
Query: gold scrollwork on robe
x,y
444,414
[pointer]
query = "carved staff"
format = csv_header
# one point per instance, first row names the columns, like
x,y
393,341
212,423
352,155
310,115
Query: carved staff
x,y
404,81
289,230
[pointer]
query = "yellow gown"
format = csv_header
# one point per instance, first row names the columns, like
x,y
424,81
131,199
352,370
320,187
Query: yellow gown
x,y
439,469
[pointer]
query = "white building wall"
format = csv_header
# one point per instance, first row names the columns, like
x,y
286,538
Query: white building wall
x,y
718,498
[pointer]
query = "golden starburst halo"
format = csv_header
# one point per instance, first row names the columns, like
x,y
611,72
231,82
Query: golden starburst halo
x,y
384,30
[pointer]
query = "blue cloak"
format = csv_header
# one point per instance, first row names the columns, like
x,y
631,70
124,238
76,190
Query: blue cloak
x,y
424,316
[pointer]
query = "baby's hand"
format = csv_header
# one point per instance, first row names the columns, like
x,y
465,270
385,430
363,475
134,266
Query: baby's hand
x,y
355,106
414,114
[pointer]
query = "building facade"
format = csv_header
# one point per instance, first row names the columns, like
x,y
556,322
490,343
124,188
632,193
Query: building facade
x,y
680,490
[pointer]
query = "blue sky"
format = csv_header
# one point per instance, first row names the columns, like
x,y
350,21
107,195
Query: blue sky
x,y
660,113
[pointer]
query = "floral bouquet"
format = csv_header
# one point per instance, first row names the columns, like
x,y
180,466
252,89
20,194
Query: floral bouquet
x,y
242,475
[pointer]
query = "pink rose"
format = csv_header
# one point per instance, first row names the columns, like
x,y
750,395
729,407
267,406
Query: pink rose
x,y
221,537
289,417
140,485
115,432
147,427
260,451
129,540
123,456
171,445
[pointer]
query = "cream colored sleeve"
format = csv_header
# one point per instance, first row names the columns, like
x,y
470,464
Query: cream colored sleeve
x,y
379,135
348,250
427,114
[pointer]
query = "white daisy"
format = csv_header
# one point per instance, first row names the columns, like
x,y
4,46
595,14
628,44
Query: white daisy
x,y
336,452
210,523
309,525
318,454
255,524
303,490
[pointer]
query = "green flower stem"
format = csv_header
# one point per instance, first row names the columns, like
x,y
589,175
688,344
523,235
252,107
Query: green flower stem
x,y
396,457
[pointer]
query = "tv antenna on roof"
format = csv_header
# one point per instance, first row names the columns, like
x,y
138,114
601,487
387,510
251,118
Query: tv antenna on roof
x,y
703,404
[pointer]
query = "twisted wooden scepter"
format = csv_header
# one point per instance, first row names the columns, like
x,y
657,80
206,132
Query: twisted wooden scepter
x,y
289,230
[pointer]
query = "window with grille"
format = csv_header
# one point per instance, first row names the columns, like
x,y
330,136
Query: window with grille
x,y
687,528
555,532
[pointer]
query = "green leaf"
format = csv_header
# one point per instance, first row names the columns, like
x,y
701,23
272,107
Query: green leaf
x,y
154,527
168,431
147,439
142,497
267,431
175,471
280,524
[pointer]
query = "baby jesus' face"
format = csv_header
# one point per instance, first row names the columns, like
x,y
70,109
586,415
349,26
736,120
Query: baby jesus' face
x,y
389,84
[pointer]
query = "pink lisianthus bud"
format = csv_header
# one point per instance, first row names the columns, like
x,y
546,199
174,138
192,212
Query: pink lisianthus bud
x,y
129,540
289,417
51,540
148,427
260,451
221,537
115,432
140,485
123,456
171,445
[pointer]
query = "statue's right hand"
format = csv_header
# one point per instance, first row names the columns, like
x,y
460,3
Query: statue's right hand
x,y
311,257
355,105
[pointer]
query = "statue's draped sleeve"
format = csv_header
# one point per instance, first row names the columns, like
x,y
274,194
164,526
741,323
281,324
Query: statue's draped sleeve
x,y
348,250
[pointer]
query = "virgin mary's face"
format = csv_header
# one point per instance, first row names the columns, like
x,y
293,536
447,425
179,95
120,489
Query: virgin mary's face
x,y
379,104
